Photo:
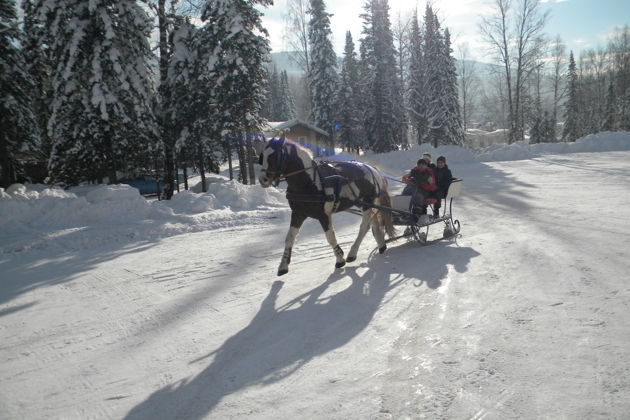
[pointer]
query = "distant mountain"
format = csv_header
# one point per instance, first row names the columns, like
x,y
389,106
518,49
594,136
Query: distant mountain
x,y
282,60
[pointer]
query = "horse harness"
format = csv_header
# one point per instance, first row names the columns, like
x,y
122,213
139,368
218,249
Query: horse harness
x,y
329,177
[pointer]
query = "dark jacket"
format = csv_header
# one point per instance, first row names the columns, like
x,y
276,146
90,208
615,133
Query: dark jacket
x,y
443,178
421,180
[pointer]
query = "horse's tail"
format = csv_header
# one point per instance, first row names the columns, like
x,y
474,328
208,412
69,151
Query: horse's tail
x,y
385,216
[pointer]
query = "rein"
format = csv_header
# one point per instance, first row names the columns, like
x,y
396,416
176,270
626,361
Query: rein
x,y
299,171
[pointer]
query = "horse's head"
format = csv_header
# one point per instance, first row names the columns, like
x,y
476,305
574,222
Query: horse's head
x,y
273,162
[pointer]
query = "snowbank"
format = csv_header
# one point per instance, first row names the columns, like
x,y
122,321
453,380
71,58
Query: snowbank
x,y
31,215
399,161
602,142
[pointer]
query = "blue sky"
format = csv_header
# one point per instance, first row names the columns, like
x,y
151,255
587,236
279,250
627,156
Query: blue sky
x,y
586,23
580,23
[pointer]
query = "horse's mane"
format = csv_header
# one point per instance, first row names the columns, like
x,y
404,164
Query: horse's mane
x,y
299,147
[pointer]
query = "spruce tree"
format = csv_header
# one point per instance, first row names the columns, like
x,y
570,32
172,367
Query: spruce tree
x,y
323,77
102,117
348,99
18,126
178,117
234,50
274,94
417,86
453,128
38,57
570,132
381,125
286,107
435,80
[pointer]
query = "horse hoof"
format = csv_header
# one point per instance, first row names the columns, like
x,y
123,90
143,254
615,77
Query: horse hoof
x,y
340,264
382,249
350,259
283,272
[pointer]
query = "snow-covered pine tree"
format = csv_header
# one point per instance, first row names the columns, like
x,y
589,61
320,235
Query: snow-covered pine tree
x,y
235,61
102,117
417,103
286,107
272,83
177,91
274,93
348,100
18,126
453,127
323,79
435,78
37,54
570,132
365,72
381,125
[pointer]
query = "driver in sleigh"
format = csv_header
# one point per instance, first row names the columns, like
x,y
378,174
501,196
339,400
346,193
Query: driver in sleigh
x,y
421,185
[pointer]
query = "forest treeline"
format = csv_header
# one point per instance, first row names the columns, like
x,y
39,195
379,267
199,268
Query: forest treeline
x,y
94,90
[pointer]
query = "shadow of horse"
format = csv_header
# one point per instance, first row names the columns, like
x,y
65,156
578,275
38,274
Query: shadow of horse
x,y
279,340
276,343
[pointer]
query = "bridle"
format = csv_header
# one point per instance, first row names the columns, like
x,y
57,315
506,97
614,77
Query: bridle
x,y
275,176
278,175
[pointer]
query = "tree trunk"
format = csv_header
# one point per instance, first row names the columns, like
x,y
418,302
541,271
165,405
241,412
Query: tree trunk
x,y
241,160
111,160
6,175
202,169
250,160
169,176
228,147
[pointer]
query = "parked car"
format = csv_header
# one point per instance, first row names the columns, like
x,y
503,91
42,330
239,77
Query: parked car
x,y
147,183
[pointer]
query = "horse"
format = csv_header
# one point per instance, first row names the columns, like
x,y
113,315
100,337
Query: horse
x,y
318,190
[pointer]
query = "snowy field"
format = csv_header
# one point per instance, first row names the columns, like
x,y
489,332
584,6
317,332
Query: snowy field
x,y
114,307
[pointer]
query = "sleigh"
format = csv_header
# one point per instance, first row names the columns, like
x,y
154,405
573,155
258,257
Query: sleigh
x,y
405,212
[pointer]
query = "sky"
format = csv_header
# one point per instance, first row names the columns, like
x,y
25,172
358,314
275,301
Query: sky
x,y
582,24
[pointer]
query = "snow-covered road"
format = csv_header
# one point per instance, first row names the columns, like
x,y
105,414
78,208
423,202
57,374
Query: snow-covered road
x,y
526,314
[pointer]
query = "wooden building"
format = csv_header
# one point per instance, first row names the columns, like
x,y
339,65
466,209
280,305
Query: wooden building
x,y
309,135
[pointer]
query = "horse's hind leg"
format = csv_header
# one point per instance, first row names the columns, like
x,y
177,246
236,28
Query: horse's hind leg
x,y
326,223
365,226
296,224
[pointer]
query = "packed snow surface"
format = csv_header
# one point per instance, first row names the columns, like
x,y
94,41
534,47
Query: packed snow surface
x,y
114,306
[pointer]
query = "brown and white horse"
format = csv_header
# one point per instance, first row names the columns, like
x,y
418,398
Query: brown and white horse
x,y
318,190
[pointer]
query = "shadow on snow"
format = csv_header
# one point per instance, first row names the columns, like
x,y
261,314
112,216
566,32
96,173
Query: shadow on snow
x,y
279,340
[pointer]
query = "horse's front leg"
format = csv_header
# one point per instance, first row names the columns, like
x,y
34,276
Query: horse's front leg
x,y
365,226
326,222
296,224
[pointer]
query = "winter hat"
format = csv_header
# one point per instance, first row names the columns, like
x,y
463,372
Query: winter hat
x,y
441,159
421,162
